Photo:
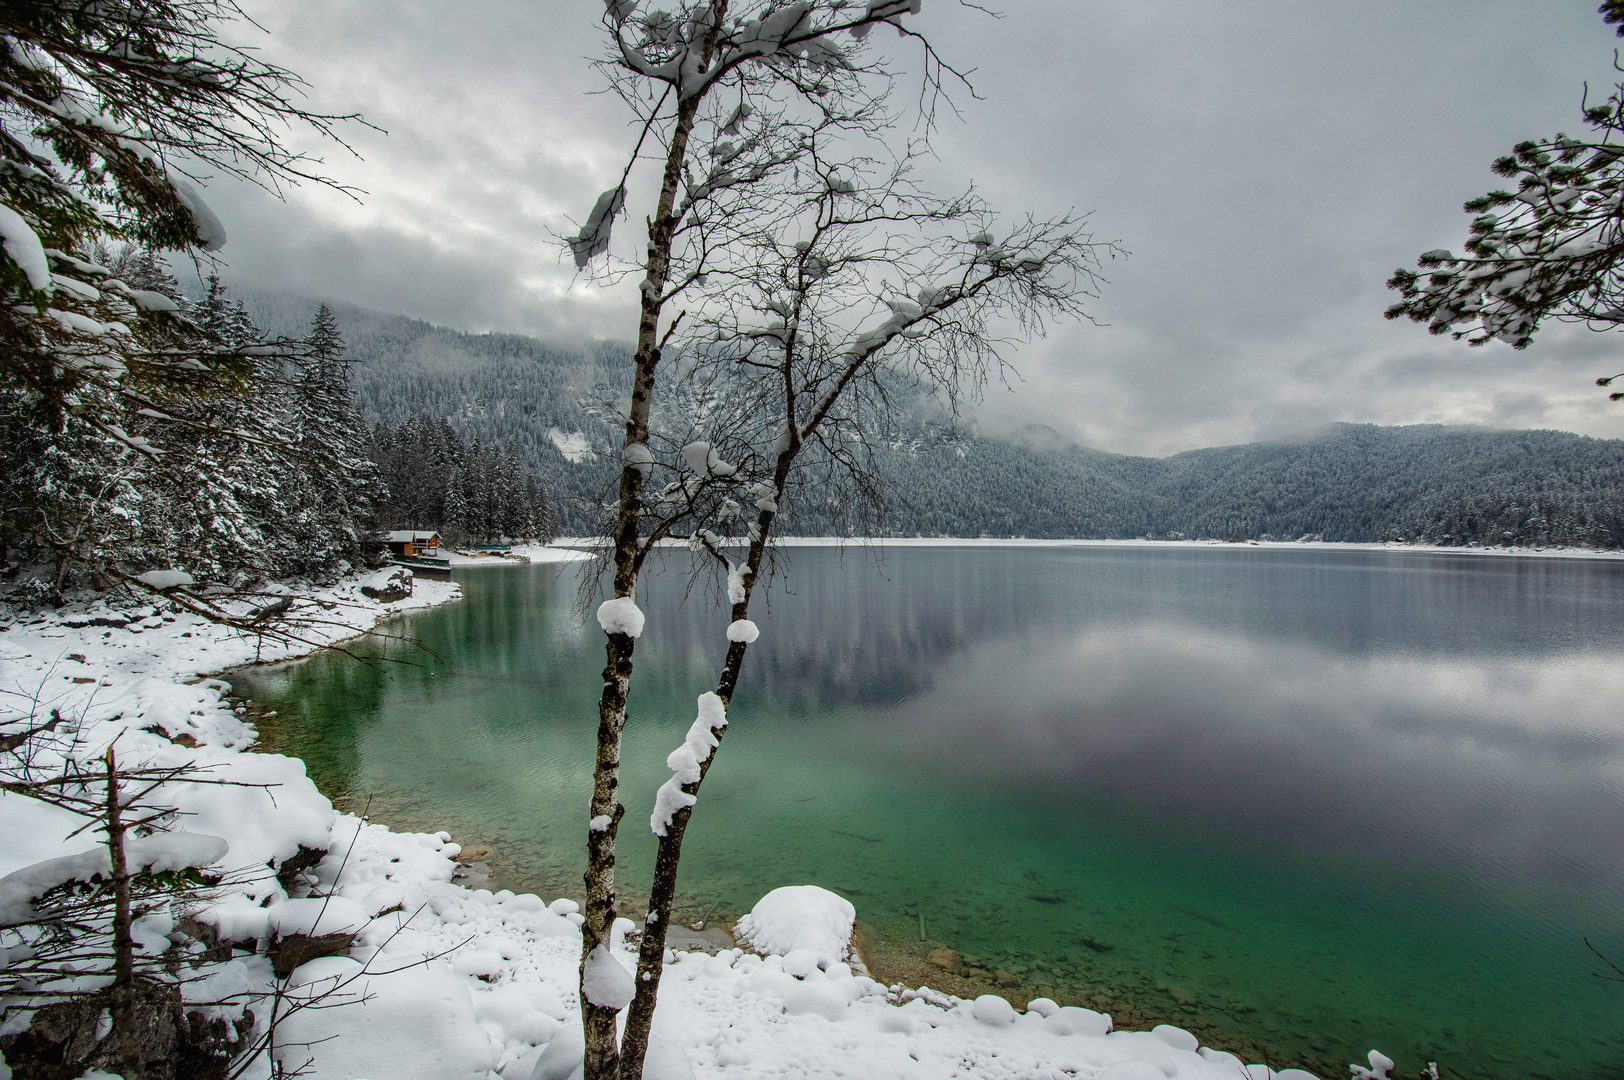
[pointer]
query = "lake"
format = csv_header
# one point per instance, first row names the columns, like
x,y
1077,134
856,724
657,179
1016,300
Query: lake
x,y
1304,802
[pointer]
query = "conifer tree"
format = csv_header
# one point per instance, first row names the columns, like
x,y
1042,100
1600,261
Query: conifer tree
x,y
110,113
1551,249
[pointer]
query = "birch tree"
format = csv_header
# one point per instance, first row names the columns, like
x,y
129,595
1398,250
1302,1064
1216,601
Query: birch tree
x,y
692,77
879,291
771,124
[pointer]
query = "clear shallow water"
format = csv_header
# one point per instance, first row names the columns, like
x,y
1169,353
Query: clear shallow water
x,y
1308,802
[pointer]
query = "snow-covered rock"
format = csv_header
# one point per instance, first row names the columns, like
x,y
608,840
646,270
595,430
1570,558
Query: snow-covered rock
x,y
388,585
316,915
416,1023
800,917
165,579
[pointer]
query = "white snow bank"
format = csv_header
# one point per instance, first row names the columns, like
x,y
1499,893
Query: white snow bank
x,y
545,553
34,831
743,630
621,616
317,915
266,824
412,1024
798,918
164,579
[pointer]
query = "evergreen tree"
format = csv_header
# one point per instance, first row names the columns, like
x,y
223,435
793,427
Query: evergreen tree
x,y
1552,249
329,495
436,481
103,108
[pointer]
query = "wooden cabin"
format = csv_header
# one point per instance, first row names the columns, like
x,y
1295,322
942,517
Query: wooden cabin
x,y
413,542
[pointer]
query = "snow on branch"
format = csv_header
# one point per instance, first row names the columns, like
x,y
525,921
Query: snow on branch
x,y
621,616
593,239
1553,248
686,762
688,51
157,853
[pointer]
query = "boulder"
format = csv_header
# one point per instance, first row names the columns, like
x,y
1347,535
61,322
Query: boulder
x,y
389,584
152,1037
290,953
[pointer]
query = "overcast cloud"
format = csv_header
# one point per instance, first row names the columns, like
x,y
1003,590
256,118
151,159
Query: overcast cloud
x,y
1268,164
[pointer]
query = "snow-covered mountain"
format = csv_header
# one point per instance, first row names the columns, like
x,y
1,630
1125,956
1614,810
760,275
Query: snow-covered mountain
x,y
1356,482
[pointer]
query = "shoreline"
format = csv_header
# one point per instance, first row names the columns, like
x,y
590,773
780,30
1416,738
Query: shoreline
x,y
896,961
133,675
588,544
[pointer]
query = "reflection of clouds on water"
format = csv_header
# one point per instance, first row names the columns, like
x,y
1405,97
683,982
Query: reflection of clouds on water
x,y
1512,765
842,630
1449,709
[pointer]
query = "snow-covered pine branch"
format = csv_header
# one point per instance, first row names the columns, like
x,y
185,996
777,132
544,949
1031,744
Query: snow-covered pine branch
x,y
1553,248
109,113
103,104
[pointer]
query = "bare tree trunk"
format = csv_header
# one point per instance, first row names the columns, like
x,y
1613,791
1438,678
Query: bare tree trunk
x,y
123,943
598,1021
651,952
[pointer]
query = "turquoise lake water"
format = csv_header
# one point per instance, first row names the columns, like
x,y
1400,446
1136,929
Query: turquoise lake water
x,y
1309,802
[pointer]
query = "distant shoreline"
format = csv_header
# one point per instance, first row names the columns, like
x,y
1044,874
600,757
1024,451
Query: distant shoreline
x,y
1270,545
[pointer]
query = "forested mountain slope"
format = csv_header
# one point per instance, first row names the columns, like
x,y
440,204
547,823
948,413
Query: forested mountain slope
x,y
1351,482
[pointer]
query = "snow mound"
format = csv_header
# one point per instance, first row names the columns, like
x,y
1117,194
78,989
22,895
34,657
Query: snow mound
x,y
800,917
666,1061
317,915
621,616
1176,1037
1134,1069
412,1024
390,583
164,579
743,630
994,1010
1072,1020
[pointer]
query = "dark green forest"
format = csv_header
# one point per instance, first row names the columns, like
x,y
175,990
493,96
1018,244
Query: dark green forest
x,y
1352,482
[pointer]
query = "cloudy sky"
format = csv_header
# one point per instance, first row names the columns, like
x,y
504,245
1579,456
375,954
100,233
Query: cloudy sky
x,y
1268,163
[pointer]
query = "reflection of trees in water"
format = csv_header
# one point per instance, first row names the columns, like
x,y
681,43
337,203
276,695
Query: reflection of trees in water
x,y
321,703
842,629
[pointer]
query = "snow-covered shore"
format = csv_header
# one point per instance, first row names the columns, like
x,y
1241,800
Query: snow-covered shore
x,y
461,983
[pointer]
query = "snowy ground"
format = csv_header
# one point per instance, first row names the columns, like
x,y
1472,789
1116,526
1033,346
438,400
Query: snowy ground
x,y
461,983
535,553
